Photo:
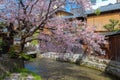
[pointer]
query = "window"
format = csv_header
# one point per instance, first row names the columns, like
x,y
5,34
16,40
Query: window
x,y
93,2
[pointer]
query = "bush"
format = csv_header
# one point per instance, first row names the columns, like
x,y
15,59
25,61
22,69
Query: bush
x,y
113,25
24,73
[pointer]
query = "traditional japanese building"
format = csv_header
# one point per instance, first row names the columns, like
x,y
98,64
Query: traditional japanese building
x,y
111,11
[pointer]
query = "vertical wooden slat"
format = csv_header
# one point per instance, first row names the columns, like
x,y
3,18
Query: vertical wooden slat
x,y
115,47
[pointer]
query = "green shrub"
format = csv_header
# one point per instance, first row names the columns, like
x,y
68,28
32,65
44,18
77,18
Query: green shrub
x,y
25,56
97,12
113,25
25,72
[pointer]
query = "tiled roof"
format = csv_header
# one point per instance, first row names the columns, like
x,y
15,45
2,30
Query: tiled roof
x,y
60,9
78,11
111,33
110,7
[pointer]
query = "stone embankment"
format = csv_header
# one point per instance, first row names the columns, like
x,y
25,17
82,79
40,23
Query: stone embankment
x,y
8,65
109,66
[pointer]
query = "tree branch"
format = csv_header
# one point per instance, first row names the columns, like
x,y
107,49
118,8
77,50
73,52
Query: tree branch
x,y
33,6
42,24
30,40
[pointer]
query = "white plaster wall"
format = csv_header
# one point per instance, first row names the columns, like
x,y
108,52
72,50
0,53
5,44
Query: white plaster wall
x,y
103,3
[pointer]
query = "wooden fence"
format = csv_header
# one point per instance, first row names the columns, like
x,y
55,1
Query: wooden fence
x,y
114,47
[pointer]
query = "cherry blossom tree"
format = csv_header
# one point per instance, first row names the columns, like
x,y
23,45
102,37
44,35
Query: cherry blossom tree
x,y
25,17
65,35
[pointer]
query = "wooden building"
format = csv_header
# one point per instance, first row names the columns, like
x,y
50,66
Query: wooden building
x,y
62,13
114,46
107,12
111,11
59,13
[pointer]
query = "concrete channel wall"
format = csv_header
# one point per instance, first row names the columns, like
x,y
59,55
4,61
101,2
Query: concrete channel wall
x,y
109,66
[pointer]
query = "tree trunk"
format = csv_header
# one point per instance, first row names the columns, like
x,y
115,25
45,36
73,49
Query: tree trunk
x,y
22,45
22,48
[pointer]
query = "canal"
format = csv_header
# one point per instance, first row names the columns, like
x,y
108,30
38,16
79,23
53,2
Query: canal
x,y
54,70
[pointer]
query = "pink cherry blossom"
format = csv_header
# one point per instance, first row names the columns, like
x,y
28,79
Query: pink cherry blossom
x,y
29,16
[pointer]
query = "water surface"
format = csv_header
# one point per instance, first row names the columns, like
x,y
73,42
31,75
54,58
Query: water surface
x,y
54,70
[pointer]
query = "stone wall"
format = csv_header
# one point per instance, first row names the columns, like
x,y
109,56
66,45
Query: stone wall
x,y
8,65
109,66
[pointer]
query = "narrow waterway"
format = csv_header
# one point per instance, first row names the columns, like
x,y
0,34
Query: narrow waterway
x,y
54,70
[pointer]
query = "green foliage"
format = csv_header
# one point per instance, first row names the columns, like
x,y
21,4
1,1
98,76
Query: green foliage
x,y
34,42
25,56
2,25
2,43
25,72
113,26
3,76
14,53
97,12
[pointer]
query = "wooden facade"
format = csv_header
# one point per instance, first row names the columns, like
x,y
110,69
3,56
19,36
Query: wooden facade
x,y
111,48
61,13
114,47
102,19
